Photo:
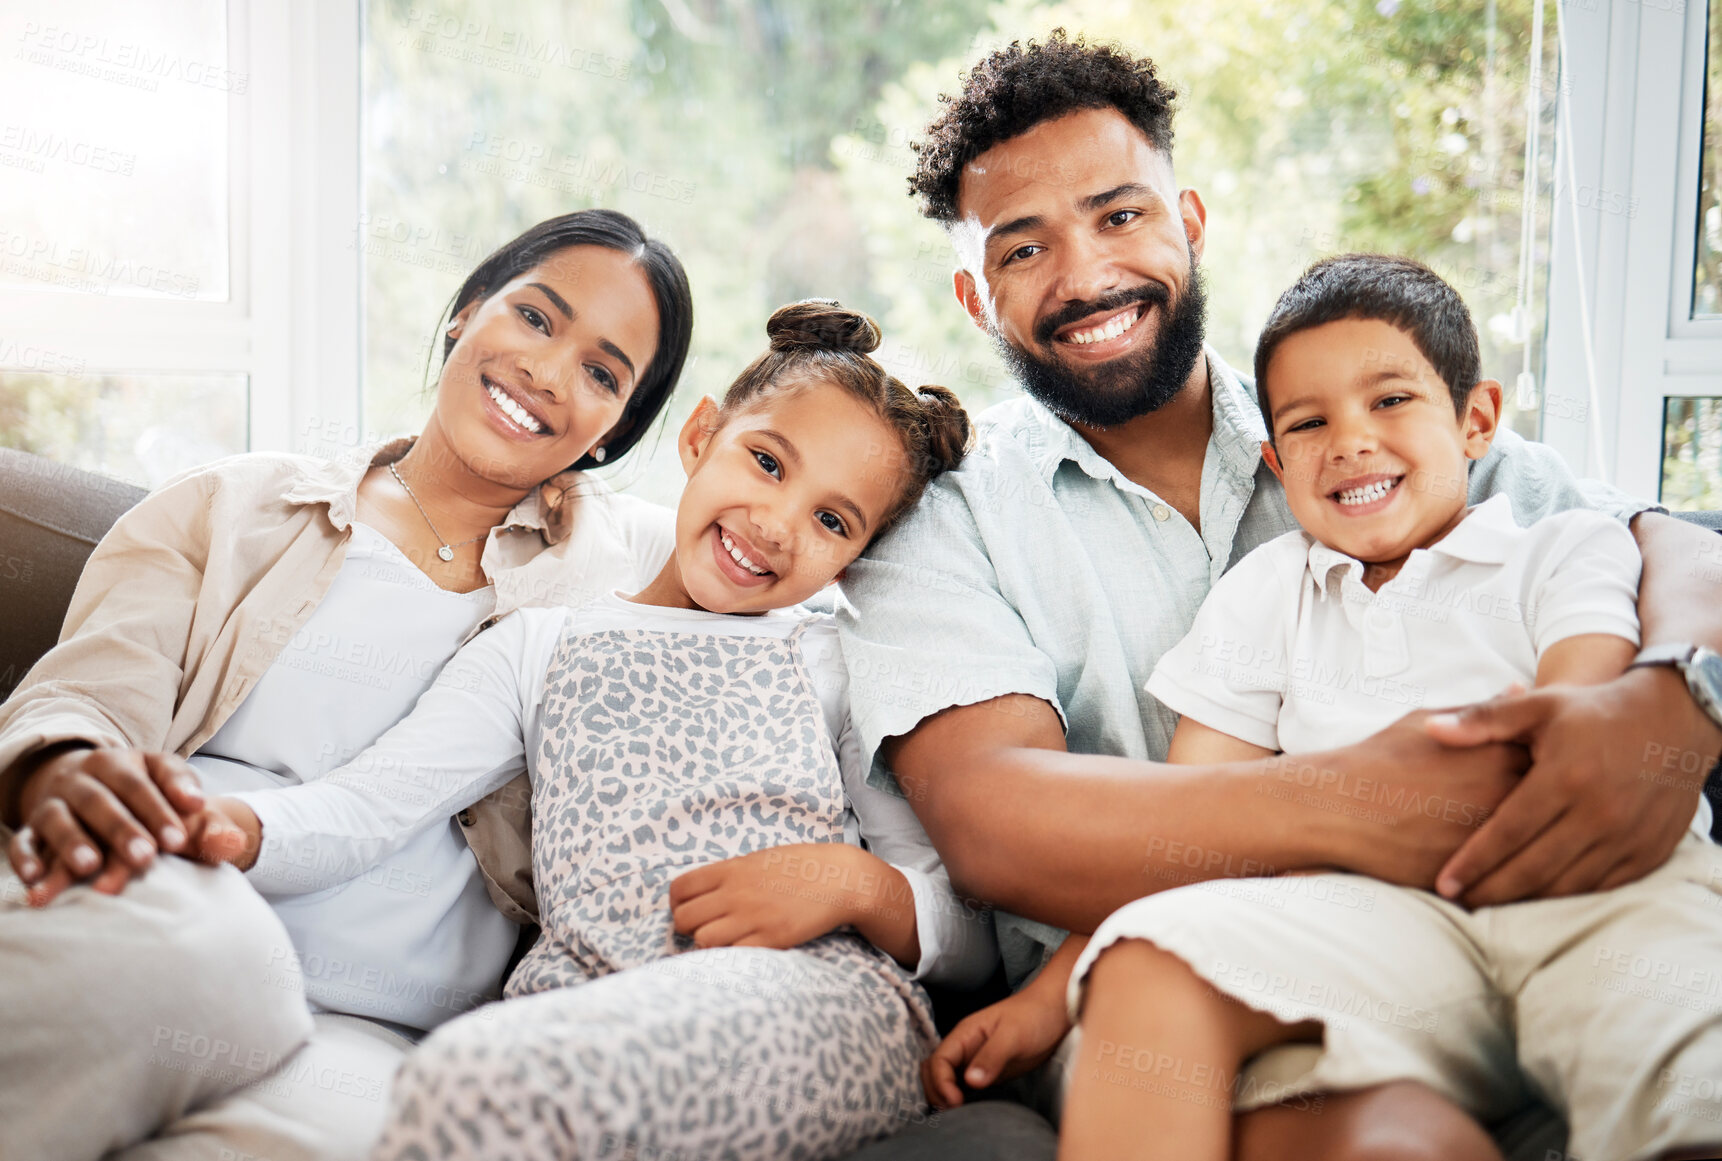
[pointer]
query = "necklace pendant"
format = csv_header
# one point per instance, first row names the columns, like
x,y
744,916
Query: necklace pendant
x,y
445,552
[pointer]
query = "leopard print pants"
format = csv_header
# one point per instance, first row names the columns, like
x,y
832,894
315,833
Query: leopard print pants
x,y
666,751
717,1055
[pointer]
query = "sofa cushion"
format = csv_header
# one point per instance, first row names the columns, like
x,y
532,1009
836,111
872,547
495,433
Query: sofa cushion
x,y
51,517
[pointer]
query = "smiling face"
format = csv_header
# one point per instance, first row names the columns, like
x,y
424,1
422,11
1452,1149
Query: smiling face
x,y
1373,459
1080,258
781,496
543,367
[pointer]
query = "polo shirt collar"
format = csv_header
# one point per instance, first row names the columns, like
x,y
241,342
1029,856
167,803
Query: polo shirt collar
x,y
1485,536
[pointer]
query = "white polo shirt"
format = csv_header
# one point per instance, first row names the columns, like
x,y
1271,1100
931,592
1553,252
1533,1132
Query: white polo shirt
x,y
1291,650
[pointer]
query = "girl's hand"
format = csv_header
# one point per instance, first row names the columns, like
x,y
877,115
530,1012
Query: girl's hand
x,y
997,1043
784,896
226,831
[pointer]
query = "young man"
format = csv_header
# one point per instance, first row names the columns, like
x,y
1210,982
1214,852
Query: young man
x,y
1000,637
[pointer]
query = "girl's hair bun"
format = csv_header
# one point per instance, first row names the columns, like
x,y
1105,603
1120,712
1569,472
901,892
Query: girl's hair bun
x,y
949,433
821,324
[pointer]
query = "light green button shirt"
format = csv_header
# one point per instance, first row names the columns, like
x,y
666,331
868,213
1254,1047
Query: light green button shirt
x,y
1038,568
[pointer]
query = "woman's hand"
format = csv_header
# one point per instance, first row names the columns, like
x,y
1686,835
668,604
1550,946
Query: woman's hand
x,y
784,896
1000,1041
87,809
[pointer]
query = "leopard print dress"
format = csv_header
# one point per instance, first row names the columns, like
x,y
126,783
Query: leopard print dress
x,y
663,751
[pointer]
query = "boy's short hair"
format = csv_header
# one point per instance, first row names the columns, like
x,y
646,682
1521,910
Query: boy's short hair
x,y
1012,90
1398,291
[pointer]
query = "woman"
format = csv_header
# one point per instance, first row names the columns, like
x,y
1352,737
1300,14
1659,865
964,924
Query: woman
x,y
255,623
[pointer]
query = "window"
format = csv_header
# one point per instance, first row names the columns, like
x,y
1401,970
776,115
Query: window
x,y
114,168
1692,425
194,199
179,202
1633,249
768,143
1707,277
1692,454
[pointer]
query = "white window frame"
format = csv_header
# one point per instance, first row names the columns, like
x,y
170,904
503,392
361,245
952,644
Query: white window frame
x,y
291,323
1626,165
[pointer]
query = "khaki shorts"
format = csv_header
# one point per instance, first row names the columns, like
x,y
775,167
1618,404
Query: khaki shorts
x,y
1608,1006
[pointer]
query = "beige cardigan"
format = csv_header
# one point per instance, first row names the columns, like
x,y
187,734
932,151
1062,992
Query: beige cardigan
x,y
193,593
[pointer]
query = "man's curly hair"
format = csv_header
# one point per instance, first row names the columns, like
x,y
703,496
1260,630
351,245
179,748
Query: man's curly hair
x,y
1016,88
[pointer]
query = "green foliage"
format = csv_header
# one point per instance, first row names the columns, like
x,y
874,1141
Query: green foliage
x,y
768,141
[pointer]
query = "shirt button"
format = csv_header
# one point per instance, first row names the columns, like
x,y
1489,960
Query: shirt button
x,y
1161,512
465,817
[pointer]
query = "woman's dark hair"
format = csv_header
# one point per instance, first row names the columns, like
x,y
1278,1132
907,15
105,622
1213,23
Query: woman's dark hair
x,y
818,340
1398,291
1014,89
669,282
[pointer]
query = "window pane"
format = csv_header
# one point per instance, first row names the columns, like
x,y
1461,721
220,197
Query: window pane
x,y
1707,281
140,428
769,142
113,147
1692,453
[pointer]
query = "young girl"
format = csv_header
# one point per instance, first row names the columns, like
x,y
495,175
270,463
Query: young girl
x,y
724,967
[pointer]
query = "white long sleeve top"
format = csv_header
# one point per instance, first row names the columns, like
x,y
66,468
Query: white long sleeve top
x,y
480,724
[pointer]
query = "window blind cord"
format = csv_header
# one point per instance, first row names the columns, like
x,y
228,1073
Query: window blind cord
x,y
1587,334
1526,387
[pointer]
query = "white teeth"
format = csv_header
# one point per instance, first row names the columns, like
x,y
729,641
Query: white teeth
x,y
736,554
513,410
1368,493
1118,325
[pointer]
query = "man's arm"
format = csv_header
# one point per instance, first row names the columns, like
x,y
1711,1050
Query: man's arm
x,y
1618,767
1069,838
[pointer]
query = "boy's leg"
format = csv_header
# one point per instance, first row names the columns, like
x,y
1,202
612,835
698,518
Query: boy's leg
x,y
1620,1006
125,1011
734,1052
1399,1121
1393,976
325,1102
1144,1004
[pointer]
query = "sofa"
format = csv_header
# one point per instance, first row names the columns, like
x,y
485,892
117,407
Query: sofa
x,y
52,516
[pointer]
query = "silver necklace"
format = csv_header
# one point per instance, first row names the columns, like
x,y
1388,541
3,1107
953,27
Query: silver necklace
x,y
447,550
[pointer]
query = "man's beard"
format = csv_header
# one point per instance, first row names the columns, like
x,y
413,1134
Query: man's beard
x,y
1116,392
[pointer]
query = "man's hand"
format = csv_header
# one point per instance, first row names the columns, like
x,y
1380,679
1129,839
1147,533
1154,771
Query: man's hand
x,y
764,900
1402,803
1000,1041
87,810
1615,776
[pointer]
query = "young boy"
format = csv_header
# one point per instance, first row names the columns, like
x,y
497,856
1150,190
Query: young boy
x,y
1394,596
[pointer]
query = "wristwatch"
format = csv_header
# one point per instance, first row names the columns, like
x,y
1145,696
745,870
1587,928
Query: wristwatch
x,y
1699,665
